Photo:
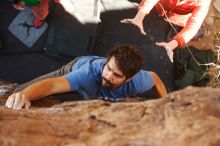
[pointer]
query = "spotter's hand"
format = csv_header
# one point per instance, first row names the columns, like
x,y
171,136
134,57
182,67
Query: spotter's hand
x,y
135,22
20,6
170,46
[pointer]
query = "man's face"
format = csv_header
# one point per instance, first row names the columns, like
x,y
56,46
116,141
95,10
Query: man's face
x,y
112,76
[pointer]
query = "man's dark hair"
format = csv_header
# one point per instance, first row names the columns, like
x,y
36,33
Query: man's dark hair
x,y
128,59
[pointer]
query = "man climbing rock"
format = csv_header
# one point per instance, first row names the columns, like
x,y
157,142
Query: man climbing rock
x,y
113,78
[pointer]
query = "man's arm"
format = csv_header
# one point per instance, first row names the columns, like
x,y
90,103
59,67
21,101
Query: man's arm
x,y
158,85
144,8
19,5
193,24
38,90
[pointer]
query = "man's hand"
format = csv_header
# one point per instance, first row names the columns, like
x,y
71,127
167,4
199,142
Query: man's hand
x,y
20,6
170,46
138,21
134,21
17,101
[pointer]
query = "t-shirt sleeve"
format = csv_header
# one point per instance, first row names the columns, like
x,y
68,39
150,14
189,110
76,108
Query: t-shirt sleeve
x,y
76,79
147,80
143,81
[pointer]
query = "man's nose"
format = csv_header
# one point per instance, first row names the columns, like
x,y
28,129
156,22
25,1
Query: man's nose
x,y
109,76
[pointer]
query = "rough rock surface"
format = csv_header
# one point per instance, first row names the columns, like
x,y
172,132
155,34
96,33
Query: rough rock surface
x,y
190,117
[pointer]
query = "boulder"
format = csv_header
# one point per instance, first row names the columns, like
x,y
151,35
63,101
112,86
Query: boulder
x,y
189,117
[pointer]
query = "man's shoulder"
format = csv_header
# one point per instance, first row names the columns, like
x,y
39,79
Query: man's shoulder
x,y
96,63
142,73
89,66
92,57
142,79
88,61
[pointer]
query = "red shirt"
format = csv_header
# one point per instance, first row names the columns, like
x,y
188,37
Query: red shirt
x,y
189,14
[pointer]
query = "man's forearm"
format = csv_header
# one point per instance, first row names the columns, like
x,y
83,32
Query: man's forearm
x,y
46,87
159,85
161,90
140,16
147,5
37,90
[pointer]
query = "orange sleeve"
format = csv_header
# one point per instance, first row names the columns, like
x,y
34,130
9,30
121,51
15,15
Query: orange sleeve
x,y
193,24
147,5
180,40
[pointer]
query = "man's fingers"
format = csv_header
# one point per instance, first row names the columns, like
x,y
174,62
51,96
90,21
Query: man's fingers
x,y
22,103
126,21
142,30
27,104
10,101
132,21
18,7
17,100
160,44
170,55
171,58
169,51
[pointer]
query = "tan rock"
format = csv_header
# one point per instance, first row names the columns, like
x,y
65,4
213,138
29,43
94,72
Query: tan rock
x,y
209,20
216,5
189,117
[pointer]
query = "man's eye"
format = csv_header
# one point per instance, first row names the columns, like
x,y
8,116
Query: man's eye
x,y
108,68
117,76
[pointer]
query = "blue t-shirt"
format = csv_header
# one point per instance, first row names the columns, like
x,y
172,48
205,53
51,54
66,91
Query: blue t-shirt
x,y
85,78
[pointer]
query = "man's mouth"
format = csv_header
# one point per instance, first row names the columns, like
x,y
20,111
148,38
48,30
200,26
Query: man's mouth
x,y
107,82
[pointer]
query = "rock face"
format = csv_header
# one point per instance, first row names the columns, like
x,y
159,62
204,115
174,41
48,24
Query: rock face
x,y
190,117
